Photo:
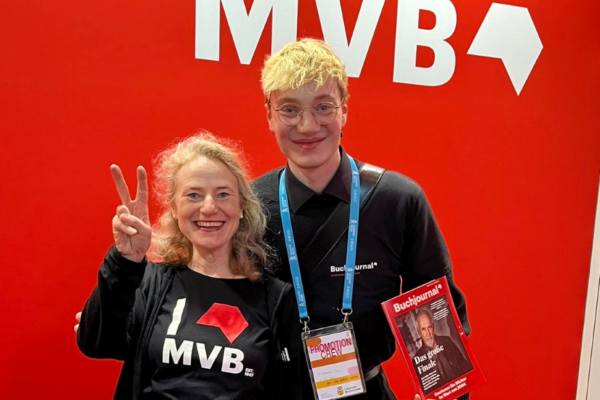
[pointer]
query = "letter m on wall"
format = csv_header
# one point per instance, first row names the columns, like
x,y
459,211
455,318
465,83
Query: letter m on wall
x,y
246,26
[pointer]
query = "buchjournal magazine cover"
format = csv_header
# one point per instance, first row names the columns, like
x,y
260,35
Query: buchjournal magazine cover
x,y
433,342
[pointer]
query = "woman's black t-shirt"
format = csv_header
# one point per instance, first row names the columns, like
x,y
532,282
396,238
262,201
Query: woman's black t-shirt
x,y
210,341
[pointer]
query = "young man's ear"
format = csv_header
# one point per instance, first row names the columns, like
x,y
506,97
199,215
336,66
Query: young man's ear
x,y
271,125
269,119
344,112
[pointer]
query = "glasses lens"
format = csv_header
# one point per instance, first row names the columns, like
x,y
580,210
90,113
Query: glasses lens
x,y
324,113
290,114
289,121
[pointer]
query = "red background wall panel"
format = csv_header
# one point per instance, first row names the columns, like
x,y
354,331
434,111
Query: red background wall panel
x,y
512,179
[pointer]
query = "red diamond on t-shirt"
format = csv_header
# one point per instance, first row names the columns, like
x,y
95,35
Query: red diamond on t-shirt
x,y
228,318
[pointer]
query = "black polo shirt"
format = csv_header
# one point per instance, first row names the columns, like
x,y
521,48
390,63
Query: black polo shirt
x,y
397,236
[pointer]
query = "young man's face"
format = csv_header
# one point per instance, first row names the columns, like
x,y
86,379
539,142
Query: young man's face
x,y
309,146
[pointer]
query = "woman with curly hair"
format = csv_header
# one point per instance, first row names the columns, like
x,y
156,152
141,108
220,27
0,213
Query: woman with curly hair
x,y
205,320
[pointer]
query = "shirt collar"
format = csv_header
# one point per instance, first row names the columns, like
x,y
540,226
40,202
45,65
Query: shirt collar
x,y
339,186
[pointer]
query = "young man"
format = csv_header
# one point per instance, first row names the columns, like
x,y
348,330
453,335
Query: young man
x,y
305,86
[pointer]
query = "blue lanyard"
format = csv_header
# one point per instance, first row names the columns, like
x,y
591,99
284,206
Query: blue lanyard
x,y
350,251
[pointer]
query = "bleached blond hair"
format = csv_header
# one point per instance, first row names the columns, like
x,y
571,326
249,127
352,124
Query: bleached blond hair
x,y
250,254
298,63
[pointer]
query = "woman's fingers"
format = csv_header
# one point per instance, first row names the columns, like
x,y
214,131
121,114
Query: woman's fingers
x,y
142,187
132,235
122,210
134,224
120,183
131,224
78,318
141,197
139,205
122,222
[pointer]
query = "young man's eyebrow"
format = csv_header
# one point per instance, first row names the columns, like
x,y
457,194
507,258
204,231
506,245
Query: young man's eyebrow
x,y
286,100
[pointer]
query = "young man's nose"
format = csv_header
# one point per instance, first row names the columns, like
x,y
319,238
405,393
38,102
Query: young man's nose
x,y
308,124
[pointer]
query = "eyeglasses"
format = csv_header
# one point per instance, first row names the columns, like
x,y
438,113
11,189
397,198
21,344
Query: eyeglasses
x,y
291,114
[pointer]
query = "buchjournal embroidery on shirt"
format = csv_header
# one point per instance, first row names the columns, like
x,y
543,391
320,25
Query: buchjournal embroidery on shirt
x,y
432,342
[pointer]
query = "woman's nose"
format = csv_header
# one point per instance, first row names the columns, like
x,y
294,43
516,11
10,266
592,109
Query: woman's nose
x,y
208,206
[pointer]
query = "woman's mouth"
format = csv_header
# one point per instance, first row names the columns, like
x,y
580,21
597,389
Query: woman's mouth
x,y
209,224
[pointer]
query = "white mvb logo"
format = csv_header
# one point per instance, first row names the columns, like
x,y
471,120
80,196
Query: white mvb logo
x,y
507,32
232,358
231,361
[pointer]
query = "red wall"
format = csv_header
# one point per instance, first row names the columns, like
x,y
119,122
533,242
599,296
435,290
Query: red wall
x,y
512,178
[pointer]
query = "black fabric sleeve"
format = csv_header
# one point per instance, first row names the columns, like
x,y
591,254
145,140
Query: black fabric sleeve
x,y
461,310
425,254
428,252
106,320
291,377
285,362
459,302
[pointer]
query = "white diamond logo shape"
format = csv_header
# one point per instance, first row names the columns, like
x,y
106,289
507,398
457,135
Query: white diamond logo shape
x,y
508,33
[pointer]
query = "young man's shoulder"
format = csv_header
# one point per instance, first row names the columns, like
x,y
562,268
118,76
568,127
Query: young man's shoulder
x,y
396,181
394,185
266,185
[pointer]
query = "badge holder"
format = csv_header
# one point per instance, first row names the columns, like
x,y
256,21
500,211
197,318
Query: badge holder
x,y
333,361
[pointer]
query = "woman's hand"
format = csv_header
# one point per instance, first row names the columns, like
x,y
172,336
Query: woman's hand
x,y
78,318
131,225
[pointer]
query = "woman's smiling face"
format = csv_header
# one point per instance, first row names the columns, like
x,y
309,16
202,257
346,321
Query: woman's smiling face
x,y
206,205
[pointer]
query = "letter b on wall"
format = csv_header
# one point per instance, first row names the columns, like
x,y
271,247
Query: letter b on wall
x,y
409,36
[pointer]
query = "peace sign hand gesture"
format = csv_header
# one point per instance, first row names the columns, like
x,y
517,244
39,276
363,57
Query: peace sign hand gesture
x,y
131,225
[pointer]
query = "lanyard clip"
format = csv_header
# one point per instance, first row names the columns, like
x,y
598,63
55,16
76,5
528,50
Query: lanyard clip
x,y
305,322
346,314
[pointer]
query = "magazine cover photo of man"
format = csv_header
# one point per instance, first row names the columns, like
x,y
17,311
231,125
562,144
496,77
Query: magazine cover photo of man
x,y
433,343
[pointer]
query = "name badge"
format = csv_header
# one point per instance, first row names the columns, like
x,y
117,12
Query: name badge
x,y
333,362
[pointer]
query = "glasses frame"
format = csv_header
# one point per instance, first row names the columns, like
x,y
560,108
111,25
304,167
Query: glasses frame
x,y
301,113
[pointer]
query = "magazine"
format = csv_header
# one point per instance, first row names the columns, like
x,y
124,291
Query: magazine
x,y
433,342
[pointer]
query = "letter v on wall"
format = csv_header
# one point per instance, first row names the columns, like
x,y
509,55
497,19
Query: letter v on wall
x,y
353,52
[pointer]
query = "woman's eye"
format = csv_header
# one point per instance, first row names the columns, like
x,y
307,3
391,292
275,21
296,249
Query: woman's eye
x,y
223,195
193,196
